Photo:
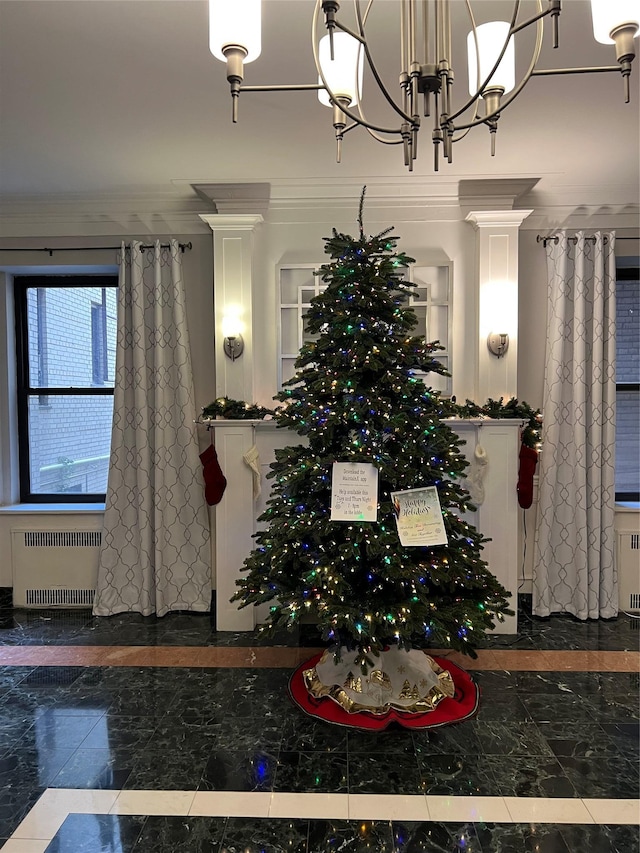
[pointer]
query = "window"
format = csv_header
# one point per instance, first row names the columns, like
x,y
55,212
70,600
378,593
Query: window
x,y
66,342
628,383
431,301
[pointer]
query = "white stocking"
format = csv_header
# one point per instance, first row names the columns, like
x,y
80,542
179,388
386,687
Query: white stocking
x,y
252,459
477,471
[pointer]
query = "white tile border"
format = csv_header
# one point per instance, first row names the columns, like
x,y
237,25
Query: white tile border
x,y
485,809
284,804
25,845
547,810
388,807
153,802
48,814
231,804
45,818
614,811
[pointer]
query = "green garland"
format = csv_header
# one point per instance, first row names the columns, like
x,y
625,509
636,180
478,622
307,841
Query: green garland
x,y
224,407
235,410
531,433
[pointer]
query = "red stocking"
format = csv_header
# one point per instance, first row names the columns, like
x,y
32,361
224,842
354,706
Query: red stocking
x,y
528,461
214,480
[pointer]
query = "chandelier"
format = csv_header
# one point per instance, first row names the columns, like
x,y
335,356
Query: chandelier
x,y
426,81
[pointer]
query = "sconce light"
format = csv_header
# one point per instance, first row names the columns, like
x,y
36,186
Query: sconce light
x,y
233,343
498,343
233,346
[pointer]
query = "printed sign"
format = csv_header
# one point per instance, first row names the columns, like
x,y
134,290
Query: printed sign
x,y
354,491
419,517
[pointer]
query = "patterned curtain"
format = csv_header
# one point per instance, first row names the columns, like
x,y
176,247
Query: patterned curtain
x,y
155,554
573,557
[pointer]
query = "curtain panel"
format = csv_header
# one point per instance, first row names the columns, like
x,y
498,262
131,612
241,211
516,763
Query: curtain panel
x,y
155,555
574,569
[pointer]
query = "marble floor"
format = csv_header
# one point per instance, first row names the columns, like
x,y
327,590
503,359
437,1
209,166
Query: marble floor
x,y
140,735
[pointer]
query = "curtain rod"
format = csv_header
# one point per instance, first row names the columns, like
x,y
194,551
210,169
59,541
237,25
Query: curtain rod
x,y
545,238
182,246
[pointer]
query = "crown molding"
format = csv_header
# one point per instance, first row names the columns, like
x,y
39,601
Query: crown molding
x,y
232,221
235,198
497,218
316,201
107,214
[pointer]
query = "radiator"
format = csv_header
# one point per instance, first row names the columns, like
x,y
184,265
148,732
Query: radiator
x,y
54,568
628,563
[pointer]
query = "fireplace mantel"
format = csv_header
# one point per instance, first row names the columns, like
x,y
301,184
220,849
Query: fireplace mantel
x,y
237,513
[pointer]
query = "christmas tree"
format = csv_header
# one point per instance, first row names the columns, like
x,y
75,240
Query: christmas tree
x,y
356,398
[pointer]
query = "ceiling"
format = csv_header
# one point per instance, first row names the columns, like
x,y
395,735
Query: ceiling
x,y
104,97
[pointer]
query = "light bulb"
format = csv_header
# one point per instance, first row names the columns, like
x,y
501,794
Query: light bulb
x,y
344,72
607,15
491,38
235,24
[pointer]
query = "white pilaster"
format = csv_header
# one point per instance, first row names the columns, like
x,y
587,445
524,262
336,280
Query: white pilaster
x,y
233,294
497,281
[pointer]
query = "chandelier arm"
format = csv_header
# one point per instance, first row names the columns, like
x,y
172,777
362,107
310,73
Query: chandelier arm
x,y
463,133
474,98
284,87
361,120
525,79
382,139
540,72
541,14
372,65
362,20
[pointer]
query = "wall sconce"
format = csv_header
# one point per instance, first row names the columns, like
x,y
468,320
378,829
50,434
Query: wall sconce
x,y
498,343
233,343
233,346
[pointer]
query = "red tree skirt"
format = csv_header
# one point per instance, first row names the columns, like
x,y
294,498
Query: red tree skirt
x,y
462,706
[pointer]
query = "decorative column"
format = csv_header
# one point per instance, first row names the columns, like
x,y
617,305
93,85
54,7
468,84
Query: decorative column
x,y
497,265
233,237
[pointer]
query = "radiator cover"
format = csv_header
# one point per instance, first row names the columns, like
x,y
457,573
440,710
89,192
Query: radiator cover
x,y
628,564
54,568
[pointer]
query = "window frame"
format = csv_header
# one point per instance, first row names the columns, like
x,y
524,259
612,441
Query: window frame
x,y
299,277
25,391
627,273
99,355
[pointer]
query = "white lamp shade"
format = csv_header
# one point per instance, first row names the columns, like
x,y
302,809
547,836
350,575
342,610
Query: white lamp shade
x,y
235,22
491,39
608,14
344,72
231,326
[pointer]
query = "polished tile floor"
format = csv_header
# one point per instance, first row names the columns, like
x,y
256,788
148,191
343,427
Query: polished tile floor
x,y
153,735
